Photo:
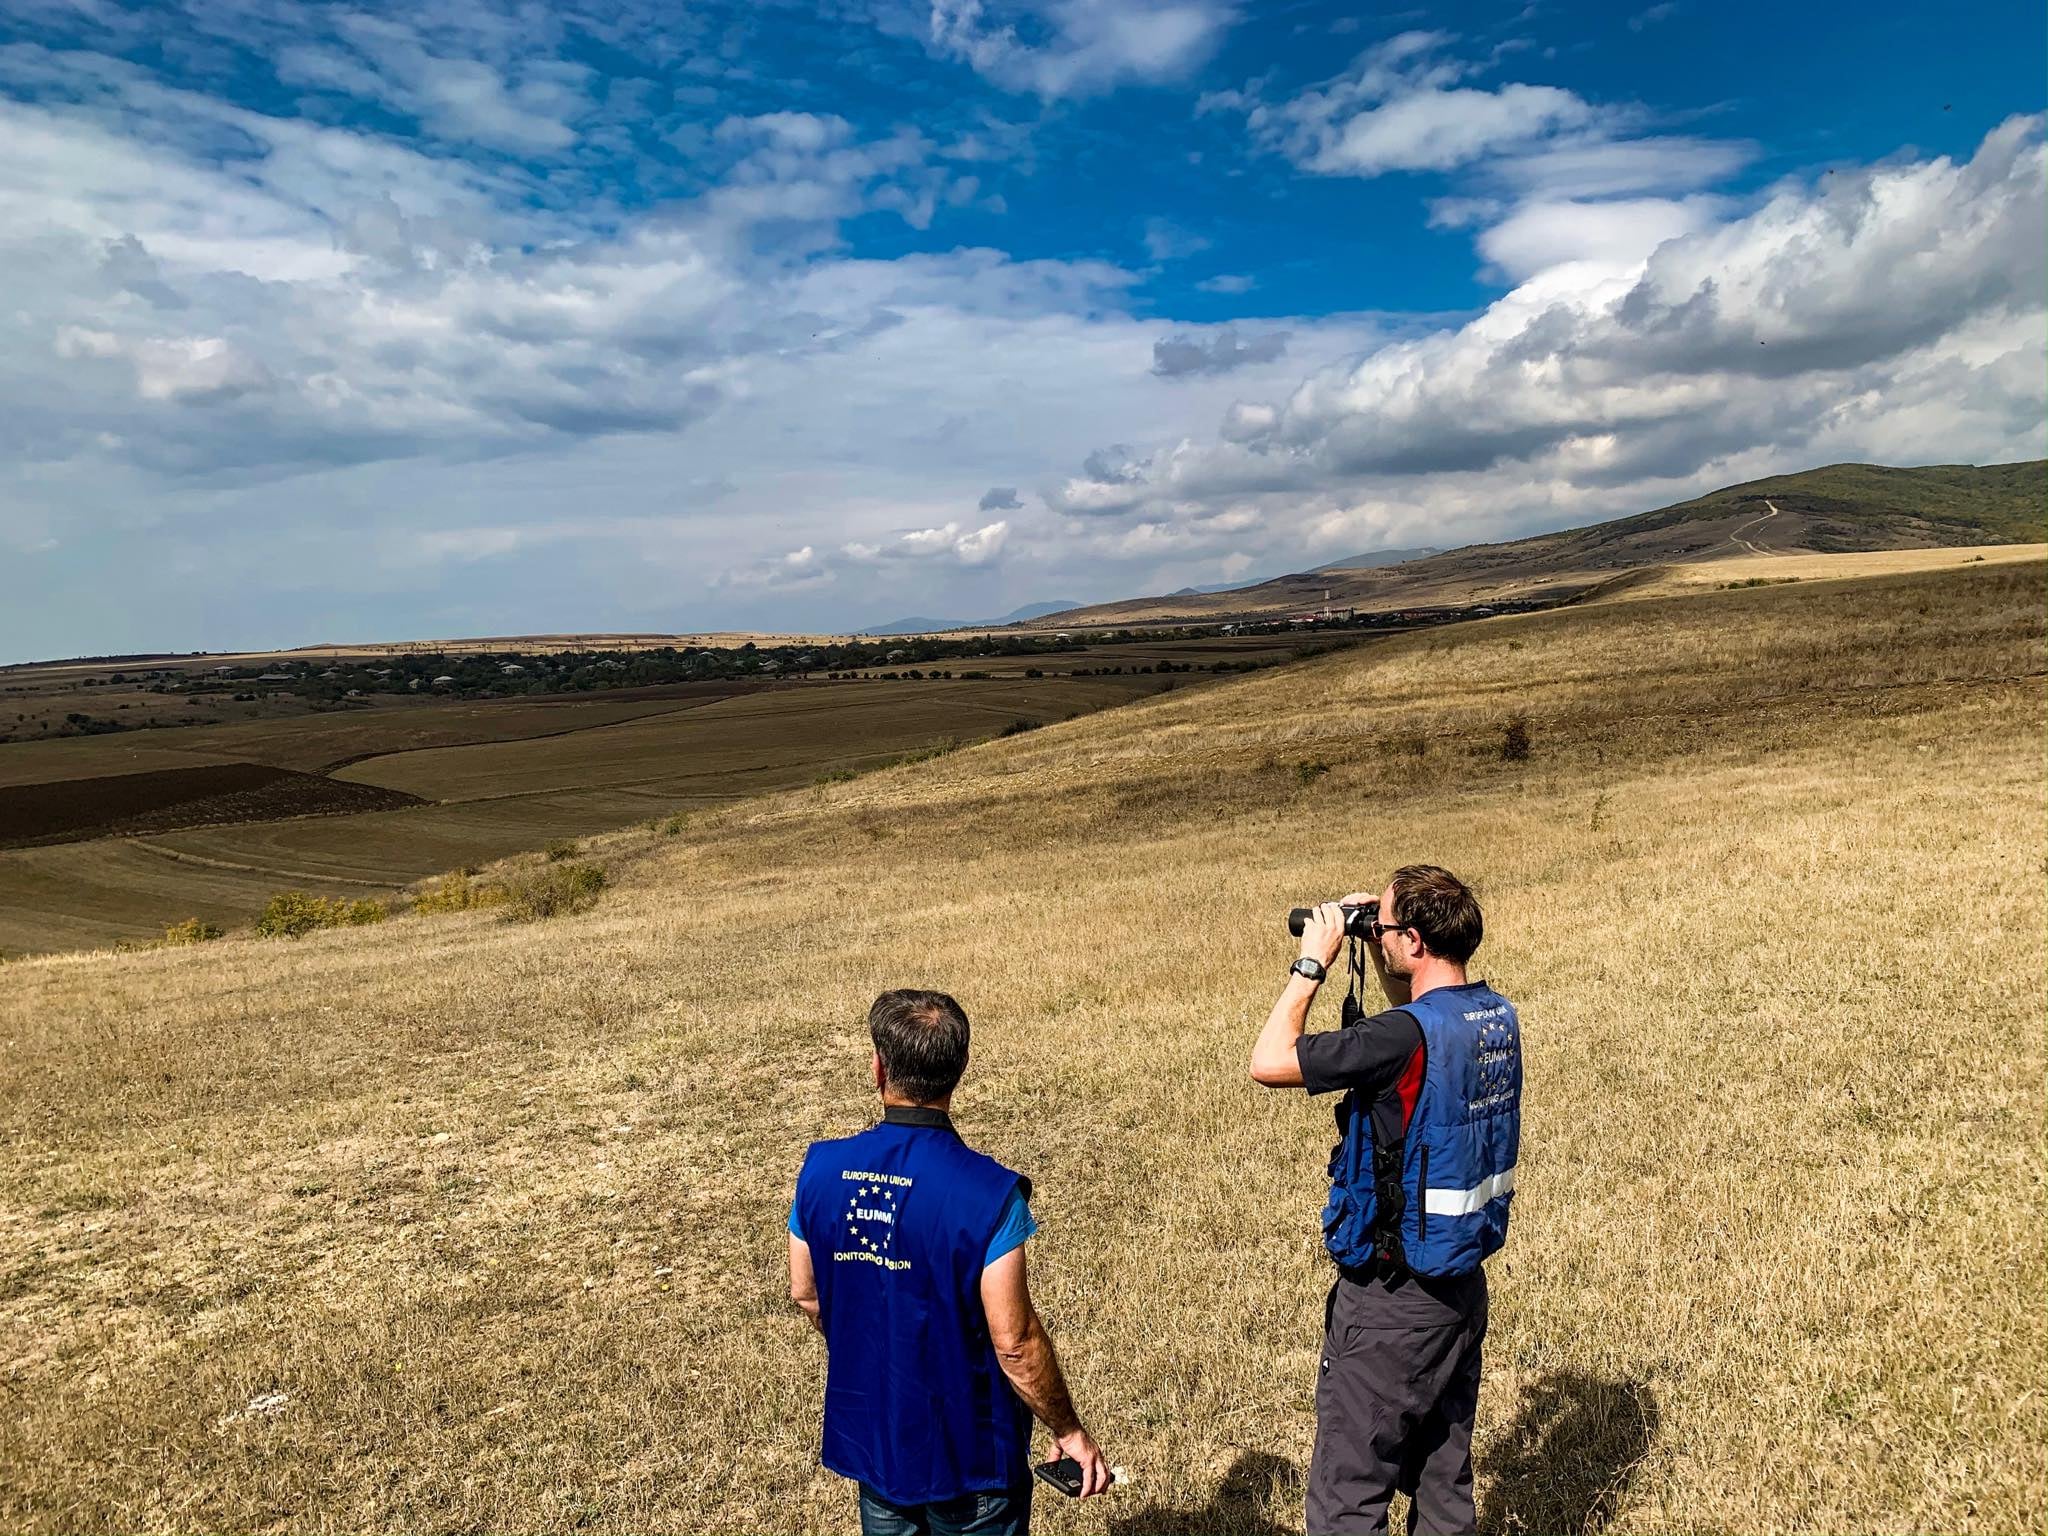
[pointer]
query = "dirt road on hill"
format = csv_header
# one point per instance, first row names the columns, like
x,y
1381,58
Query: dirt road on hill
x,y
1755,549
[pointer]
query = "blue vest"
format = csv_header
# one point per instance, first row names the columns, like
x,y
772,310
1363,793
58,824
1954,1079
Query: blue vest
x,y
1438,1202
898,1220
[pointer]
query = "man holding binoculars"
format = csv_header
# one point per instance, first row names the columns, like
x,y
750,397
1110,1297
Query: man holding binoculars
x,y
1420,1183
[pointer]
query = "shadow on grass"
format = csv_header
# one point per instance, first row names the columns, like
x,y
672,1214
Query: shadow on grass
x,y
1569,1457
1257,1483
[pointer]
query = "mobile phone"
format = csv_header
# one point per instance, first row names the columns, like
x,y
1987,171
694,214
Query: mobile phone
x,y
1064,1474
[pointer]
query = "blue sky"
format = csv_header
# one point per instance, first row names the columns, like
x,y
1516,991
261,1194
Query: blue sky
x,y
345,322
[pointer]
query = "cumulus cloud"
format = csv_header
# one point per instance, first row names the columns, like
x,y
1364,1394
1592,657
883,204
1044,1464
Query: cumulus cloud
x,y
1217,351
1228,282
1814,327
1079,47
948,546
1000,498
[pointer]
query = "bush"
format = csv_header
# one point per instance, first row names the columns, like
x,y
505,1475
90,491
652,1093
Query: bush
x,y
553,891
457,892
193,930
1514,741
561,848
672,826
293,913
1308,773
1018,728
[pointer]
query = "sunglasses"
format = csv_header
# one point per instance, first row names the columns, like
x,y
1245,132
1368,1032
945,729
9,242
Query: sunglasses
x,y
1380,930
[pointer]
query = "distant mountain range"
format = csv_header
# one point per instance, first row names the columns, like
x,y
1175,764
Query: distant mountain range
x,y
1354,563
1835,509
920,626
1374,560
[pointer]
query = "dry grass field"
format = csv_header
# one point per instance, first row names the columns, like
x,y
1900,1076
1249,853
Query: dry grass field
x,y
460,1224
503,775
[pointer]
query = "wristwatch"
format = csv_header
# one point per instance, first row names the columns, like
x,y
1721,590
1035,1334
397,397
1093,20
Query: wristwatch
x,y
1314,970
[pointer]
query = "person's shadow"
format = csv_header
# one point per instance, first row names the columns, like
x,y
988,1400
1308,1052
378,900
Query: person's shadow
x,y
1257,1483
1560,1469
1568,1458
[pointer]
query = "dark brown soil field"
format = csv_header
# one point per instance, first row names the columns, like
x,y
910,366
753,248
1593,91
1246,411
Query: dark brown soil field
x,y
70,810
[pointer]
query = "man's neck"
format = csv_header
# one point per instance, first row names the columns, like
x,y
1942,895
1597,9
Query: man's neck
x,y
893,1101
1433,973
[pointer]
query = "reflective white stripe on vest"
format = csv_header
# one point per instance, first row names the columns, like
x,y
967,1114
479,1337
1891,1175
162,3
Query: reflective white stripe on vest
x,y
1463,1202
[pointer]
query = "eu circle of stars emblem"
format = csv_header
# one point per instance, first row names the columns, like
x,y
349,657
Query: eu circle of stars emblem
x,y
871,1219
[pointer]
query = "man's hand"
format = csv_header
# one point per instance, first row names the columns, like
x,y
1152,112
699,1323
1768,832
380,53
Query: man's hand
x,y
1081,1446
1322,936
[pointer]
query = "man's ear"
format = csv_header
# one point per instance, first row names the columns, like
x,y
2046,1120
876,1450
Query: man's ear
x,y
881,1077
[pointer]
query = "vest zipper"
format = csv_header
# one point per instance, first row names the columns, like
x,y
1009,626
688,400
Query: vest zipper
x,y
1422,1194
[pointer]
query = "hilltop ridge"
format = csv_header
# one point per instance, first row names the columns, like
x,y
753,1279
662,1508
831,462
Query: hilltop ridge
x,y
1831,510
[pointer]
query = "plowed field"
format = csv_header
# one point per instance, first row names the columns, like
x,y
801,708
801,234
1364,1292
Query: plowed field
x,y
69,810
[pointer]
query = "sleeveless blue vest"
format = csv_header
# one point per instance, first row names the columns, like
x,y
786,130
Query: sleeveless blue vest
x,y
898,1220
1437,1203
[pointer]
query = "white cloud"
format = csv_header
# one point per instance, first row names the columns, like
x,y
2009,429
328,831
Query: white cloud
x,y
949,546
460,82
1228,282
178,368
1088,46
1167,241
1539,236
1895,315
451,360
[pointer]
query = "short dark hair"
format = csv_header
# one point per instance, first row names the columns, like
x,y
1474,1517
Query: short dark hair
x,y
922,1040
1440,908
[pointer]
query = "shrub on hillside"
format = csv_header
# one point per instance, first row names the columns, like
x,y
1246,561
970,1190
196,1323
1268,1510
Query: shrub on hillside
x,y
193,930
553,890
457,892
291,914
1514,741
561,848
1018,727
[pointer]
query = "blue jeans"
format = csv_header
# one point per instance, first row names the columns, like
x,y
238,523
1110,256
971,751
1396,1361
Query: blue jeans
x,y
998,1512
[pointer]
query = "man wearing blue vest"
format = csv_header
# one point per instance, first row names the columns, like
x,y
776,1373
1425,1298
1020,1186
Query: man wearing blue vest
x,y
906,1250
1420,1183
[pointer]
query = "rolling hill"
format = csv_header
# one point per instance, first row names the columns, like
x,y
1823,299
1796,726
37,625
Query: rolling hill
x,y
1832,510
460,1223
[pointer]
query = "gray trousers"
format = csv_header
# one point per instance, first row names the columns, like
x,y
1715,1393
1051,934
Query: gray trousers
x,y
1395,1398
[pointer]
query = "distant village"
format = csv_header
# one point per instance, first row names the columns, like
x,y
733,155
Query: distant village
x,y
325,680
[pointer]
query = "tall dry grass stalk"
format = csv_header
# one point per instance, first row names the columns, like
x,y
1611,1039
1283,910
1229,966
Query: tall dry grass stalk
x,y
498,1208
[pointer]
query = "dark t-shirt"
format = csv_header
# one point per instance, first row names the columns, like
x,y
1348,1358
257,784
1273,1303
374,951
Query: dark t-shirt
x,y
1379,1058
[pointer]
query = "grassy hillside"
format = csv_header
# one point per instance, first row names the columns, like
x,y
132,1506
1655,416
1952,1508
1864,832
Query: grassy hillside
x,y
1831,510
1868,506
498,1208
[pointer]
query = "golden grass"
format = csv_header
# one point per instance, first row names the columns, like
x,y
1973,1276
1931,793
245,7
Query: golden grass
x,y
1666,580
499,1208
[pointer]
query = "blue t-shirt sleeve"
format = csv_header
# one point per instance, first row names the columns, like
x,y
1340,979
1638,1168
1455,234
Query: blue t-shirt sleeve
x,y
1012,1228
796,1228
